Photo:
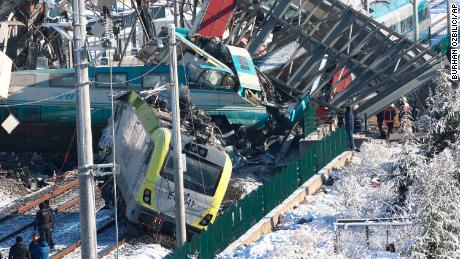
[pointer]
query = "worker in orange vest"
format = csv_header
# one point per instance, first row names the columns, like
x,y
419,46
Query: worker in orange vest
x,y
389,115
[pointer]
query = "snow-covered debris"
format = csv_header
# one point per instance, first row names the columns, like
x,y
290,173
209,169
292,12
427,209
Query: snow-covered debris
x,y
307,231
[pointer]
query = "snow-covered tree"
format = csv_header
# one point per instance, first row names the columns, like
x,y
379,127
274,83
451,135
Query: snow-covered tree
x,y
428,173
442,120
433,200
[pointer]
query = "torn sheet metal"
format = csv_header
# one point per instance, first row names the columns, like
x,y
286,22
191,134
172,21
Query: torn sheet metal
x,y
213,20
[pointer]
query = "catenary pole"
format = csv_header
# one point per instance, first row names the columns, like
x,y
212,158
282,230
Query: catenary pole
x,y
84,137
176,14
181,236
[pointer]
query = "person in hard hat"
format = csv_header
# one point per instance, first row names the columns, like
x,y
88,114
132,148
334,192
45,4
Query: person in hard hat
x,y
389,115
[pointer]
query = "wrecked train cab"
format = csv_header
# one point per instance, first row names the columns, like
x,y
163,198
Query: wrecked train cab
x,y
146,179
227,87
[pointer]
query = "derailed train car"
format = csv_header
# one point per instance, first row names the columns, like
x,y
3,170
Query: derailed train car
x,y
146,178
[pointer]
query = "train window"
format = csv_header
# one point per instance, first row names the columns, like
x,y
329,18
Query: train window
x,y
244,64
62,80
119,80
406,24
22,80
200,176
158,12
154,80
423,14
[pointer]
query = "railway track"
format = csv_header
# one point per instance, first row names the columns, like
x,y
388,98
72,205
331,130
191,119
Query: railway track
x,y
71,248
30,205
61,208
9,218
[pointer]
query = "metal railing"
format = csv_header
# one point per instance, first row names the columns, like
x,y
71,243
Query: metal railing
x,y
354,235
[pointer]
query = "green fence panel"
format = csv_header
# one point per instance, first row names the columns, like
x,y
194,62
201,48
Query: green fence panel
x,y
195,245
307,166
219,244
242,215
204,245
260,203
227,230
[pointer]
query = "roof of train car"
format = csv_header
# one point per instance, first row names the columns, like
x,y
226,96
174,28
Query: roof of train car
x,y
381,8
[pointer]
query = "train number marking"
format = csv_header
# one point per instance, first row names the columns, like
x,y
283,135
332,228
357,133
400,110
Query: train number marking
x,y
187,201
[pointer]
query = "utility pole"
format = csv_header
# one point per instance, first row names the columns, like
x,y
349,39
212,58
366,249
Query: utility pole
x,y
367,6
84,137
181,236
415,15
176,14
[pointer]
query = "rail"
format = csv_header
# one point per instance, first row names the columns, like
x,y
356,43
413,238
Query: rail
x,y
61,208
28,206
76,244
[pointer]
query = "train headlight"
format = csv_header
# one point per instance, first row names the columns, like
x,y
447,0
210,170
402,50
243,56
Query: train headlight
x,y
147,196
206,220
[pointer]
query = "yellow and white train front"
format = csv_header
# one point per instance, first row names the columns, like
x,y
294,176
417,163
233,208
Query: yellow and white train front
x,y
146,179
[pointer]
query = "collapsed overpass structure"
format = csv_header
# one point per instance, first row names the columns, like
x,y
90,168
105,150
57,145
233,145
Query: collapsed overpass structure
x,y
302,44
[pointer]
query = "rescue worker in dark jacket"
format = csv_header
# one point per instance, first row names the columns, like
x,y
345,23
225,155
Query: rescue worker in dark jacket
x,y
19,250
349,127
44,221
48,206
380,118
38,248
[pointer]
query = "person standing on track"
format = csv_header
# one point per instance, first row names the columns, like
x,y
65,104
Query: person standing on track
x,y
48,206
44,221
19,250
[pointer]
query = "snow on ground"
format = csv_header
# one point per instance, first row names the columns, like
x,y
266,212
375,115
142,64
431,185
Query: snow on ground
x,y
67,229
6,197
351,196
140,251
11,191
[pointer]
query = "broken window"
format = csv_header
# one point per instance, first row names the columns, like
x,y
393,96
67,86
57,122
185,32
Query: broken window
x,y
62,80
154,80
244,63
158,12
119,80
200,176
